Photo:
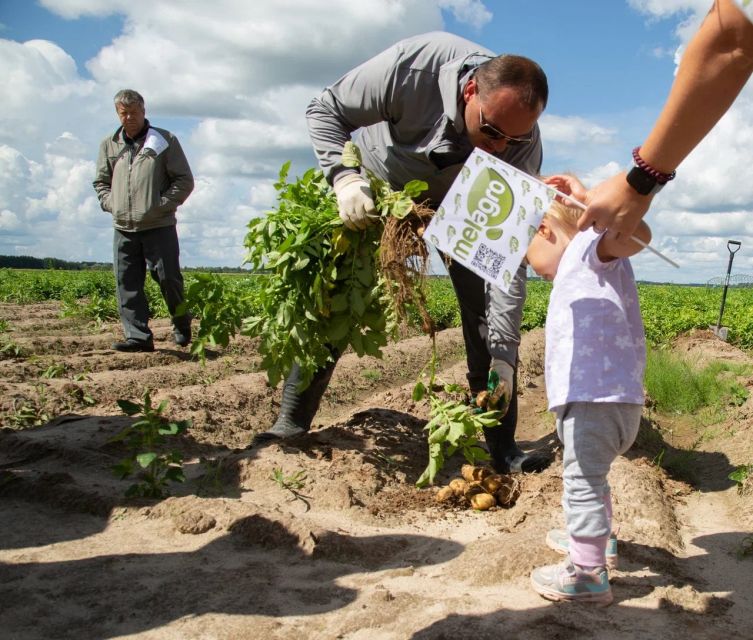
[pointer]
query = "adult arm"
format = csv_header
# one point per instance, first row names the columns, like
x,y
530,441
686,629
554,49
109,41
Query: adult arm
x,y
360,98
103,178
713,70
180,176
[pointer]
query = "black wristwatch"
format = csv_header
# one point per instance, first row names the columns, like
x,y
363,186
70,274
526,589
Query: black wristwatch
x,y
643,182
644,178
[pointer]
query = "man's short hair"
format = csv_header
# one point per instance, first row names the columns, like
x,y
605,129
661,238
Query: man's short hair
x,y
515,71
127,97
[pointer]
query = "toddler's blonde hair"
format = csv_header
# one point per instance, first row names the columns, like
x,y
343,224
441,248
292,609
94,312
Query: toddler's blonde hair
x,y
566,216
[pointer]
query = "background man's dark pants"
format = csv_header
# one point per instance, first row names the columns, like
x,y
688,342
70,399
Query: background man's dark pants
x,y
135,252
486,336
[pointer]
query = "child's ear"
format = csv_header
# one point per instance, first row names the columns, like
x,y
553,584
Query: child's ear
x,y
544,230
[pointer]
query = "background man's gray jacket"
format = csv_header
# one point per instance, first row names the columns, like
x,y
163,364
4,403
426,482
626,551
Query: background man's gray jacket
x,y
138,186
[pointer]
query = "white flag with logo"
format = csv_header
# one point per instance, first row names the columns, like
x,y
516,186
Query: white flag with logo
x,y
489,216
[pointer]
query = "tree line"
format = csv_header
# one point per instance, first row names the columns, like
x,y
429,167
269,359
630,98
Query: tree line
x,y
30,262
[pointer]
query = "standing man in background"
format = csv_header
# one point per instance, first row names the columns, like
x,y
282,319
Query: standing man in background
x,y
142,176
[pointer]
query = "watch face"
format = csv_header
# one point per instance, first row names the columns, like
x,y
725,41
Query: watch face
x,y
642,182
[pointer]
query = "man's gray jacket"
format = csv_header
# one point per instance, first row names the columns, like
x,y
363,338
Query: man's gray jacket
x,y
407,103
143,183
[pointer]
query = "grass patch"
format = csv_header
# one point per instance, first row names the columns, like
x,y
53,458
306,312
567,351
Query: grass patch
x,y
678,387
372,375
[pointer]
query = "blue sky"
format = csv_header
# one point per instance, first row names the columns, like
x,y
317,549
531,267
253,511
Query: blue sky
x,y
232,80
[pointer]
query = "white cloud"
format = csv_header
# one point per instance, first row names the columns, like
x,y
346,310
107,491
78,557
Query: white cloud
x,y
668,8
221,55
717,173
573,130
471,12
44,96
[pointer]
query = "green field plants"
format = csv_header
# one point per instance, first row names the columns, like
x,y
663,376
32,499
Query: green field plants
x,y
668,310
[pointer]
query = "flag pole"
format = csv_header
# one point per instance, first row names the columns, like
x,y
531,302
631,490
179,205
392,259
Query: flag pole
x,y
638,240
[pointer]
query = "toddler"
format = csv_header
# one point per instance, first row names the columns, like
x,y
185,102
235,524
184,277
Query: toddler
x,y
595,357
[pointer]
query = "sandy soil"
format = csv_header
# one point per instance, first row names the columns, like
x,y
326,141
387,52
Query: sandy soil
x,y
357,551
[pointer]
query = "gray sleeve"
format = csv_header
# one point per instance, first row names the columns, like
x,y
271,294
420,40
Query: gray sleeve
x,y
103,178
504,313
179,174
360,98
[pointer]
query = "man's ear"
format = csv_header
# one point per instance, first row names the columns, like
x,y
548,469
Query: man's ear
x,y
469,90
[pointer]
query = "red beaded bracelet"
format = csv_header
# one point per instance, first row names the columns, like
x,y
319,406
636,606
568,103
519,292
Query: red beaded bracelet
x,y
661,178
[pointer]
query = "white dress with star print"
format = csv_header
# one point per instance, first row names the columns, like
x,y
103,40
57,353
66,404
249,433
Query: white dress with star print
x,y
595,343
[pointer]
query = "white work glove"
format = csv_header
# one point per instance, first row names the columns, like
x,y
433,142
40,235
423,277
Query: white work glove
x,y
355,201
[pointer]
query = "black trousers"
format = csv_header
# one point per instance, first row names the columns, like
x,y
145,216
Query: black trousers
x,y
473,300
135,253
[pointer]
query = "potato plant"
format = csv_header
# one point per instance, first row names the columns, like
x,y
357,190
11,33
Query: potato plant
x,y
321,292
454,425
146,440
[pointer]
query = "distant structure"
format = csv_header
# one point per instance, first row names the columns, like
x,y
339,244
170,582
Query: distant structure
x,y
737,280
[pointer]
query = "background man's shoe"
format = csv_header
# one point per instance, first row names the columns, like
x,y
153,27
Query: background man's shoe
x,y
131,345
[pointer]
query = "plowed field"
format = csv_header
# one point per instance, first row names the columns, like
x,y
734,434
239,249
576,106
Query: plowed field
x,y
356,551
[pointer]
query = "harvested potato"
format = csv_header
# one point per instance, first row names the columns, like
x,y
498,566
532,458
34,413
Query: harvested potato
x,y
474,474
509,492
483,501
473,488
458,486
444,494
492,483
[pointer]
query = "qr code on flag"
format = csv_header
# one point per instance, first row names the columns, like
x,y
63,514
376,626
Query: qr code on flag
x,y
488,261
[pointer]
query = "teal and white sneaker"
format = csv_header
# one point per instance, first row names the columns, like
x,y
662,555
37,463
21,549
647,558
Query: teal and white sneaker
x,y
559,540
565,582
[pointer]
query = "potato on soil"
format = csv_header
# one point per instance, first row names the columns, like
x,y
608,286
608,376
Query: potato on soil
x,y
483,501
458,486
444,494
509,492
473,488
492,483
474,474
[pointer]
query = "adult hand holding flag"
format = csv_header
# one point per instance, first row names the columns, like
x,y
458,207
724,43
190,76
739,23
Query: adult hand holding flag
x,y
573,193
492,211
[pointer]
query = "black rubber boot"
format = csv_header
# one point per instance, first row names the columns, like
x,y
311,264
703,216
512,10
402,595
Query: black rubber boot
x,y
297,409
507,456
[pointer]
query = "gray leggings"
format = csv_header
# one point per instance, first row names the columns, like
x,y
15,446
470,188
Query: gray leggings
x,y
593,435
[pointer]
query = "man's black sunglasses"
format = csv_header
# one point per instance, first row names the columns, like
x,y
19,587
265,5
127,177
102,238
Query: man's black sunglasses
x,y
495,134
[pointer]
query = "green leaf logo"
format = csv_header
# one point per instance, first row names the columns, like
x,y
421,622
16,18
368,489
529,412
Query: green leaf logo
x,y
490,199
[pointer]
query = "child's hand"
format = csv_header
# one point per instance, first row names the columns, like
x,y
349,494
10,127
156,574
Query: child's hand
x,y
569,185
